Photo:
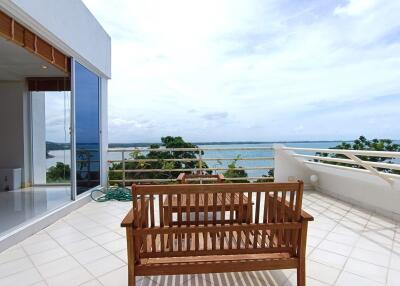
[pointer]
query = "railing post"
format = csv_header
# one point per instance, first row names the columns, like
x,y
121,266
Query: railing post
x,y
201,164
123,168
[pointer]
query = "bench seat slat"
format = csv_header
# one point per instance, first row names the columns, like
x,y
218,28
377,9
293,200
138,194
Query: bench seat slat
x,y
215,264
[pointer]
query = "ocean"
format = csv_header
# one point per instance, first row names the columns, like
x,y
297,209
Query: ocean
x,y
64,155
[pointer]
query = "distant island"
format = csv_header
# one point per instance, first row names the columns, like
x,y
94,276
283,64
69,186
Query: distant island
x,y
127,145
52,146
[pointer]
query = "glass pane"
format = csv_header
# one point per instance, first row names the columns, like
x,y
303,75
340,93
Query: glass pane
x,y
51,148
87,129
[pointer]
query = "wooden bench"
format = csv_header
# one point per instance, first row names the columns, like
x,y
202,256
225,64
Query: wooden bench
x,y
184,178
274,238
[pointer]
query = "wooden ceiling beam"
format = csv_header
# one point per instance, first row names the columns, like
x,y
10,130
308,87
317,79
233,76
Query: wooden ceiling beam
x,y
18,34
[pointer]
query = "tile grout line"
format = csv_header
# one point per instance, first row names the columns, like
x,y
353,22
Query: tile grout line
x,y
34,265
351,252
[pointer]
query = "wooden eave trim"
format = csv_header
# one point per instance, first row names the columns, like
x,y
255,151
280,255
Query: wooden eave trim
x,y
15,32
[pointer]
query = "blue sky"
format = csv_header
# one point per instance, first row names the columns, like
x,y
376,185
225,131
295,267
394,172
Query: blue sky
x,y
252,70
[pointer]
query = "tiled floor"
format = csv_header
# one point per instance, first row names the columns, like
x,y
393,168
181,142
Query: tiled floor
x,y
21,205
346,246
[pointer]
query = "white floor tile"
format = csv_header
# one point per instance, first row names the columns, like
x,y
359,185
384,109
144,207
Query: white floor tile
x,y
115,245
339,248
58,266
381,258
395,261
73,277
12,254
104,265
90,255
26,277
118,277
15,266
322,272
328,258
393,278
366,270
79,246
40,246
106,237
48,256
350,279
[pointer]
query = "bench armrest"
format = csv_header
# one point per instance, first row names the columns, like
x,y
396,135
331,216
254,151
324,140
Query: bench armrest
x,y
128,220
306,216
130,217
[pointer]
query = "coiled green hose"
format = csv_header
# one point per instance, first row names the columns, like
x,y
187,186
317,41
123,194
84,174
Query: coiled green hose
x,y
112,193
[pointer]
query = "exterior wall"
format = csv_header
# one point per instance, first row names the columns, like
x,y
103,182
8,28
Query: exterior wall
x,y
288,168
70,26
355,186
14,152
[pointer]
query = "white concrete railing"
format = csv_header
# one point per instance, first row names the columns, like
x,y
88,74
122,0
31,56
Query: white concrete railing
x,y
353,161
200,165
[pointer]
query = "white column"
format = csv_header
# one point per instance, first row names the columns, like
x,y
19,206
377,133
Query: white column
x,y
39,137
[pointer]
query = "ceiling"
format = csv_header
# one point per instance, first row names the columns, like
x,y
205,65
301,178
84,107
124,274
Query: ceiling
x,y
16,63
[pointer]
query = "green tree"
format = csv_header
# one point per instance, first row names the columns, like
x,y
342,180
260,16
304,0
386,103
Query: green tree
x,y
59,173
235,172
362,143
158,160
267,177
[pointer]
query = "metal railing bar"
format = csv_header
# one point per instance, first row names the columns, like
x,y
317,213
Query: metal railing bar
x,y
187,149
195,159
174,180
188,170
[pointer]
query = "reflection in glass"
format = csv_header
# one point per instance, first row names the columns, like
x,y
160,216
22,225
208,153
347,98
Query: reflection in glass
x,y
87,129
51,154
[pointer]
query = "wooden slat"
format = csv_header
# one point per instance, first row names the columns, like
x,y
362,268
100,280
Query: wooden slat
x,y
223,203
231,218
215,188
170,236
239,265
281,217
12,30
206,208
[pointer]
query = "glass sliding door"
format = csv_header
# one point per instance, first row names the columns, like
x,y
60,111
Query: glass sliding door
x,y
87,128
51,144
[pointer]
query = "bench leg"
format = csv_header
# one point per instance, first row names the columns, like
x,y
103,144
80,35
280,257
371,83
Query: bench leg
x,y
131,280
301,273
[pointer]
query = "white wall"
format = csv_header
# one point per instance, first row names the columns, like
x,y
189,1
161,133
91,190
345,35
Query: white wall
x,y
13,150
287,168
69,25
355,186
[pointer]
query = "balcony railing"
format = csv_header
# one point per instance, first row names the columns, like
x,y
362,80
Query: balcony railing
x,y
387,168
258,161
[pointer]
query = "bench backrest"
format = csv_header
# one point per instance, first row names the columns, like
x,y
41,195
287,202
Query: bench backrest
x,y
221,219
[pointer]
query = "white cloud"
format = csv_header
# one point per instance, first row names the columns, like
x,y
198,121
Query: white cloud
x,y
355,7
261,62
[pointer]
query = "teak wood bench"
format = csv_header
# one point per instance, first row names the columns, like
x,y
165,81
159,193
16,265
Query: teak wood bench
x,y
274,238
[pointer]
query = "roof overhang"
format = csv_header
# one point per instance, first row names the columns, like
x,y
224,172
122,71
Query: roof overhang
x,y
13,31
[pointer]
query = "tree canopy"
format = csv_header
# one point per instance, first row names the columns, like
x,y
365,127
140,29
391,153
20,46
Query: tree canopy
x,y
362,143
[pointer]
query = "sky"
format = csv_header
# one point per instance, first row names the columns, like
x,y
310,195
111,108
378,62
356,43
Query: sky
x,y
252,70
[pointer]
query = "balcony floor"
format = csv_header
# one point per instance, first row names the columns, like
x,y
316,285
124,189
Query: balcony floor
x,y
346,246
